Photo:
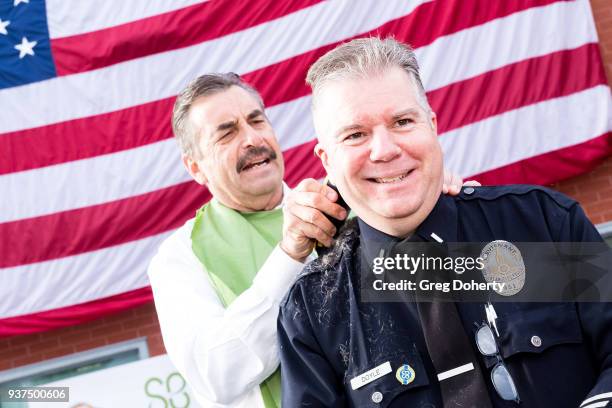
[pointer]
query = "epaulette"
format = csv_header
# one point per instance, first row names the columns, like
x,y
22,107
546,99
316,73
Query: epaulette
x,y
495,192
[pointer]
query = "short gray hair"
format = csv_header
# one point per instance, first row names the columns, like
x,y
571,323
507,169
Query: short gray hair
x,y
363,57
204,85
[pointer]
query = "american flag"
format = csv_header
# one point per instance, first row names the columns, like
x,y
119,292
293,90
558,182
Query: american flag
x,y
91,180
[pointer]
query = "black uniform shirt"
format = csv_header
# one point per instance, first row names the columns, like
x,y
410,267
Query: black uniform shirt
x,y
328,336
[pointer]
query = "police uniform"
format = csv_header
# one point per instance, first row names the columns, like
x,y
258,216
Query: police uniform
x,y
558,355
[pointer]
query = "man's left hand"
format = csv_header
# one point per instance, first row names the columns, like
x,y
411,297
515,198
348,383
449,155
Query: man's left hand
x,y
452,183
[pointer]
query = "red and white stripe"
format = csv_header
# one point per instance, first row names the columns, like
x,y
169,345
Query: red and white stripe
x,y
90,187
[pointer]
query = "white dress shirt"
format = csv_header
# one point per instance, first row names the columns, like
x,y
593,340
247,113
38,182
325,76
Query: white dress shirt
x,y
223,353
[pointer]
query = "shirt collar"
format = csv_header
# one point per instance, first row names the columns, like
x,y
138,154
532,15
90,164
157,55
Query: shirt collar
x,y
441,223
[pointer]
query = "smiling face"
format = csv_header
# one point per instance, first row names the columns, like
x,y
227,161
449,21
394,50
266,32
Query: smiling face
x,y
240,160
380,148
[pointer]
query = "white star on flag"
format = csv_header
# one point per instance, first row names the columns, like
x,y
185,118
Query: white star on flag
x,y
3,25
16,2
26,47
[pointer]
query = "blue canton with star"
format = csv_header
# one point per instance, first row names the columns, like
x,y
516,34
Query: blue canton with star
x,y
25,50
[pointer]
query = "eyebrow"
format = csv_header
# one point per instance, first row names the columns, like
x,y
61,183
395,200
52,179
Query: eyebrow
x,y
407,112
396,116
348,128
234,123
255,113
226,125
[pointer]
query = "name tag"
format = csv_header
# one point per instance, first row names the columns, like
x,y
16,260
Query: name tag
x,y
371,375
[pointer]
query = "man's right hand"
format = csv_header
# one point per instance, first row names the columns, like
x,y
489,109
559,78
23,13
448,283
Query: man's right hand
x,y
305,221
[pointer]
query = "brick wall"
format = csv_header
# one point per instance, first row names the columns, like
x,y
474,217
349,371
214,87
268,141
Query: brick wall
x,y
593,190
138,322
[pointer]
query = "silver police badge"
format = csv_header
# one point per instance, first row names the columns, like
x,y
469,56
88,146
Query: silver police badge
x,y
503,263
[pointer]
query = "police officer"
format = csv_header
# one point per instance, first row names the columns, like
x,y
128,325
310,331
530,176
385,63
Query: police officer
x,y
378,143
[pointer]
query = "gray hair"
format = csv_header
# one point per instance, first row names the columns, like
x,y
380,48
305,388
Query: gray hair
x,y
363,57
204,85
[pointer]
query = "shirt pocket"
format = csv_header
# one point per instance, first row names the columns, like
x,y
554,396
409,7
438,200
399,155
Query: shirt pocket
x,y
539,329
406,374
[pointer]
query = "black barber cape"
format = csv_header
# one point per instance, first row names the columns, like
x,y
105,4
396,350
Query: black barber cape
x,y
328,336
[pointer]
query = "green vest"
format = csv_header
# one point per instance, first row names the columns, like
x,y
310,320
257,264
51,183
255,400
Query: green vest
x,y
232,246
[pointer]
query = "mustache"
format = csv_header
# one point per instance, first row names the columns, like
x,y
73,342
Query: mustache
x,y
259,152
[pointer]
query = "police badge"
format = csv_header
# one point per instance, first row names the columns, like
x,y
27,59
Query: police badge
x,y
503,263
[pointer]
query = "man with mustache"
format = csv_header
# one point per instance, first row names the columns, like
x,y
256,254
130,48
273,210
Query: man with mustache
x,y
378,143
219,279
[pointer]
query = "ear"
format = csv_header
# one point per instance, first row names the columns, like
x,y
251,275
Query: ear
x,y
434,122
321,153
194,169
